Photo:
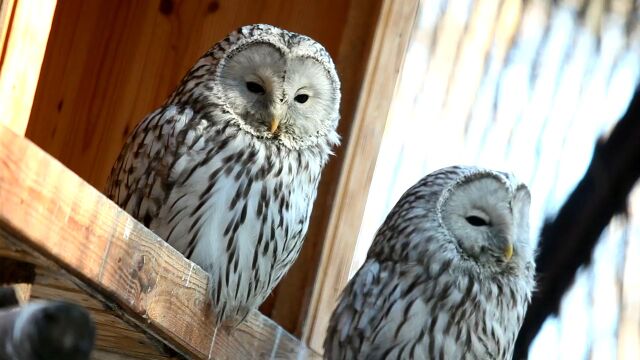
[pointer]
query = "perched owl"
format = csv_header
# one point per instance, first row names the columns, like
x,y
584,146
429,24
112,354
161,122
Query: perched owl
x,y
227,169
448,276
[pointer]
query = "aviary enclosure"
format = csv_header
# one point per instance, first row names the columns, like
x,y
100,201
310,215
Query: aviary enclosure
x,y
531,86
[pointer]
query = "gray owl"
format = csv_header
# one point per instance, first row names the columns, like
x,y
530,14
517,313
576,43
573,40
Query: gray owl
x,y
227,170
449,274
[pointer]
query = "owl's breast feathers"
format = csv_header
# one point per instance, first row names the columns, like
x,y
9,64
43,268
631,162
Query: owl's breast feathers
x,y
236,205
409,311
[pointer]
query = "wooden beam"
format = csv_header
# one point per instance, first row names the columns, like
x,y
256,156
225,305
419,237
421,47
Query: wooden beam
x,y
24,31
7,10
114,334
383,68
47,212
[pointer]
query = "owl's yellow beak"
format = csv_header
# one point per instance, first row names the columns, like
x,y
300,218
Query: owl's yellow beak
x,y
274,124
508,251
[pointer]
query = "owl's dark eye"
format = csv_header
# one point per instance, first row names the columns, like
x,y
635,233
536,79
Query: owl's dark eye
x,y
255,87
301,98
476,221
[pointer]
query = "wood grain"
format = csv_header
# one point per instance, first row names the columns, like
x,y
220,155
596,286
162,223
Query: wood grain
x,y
25,30
47,210
387,55
114,335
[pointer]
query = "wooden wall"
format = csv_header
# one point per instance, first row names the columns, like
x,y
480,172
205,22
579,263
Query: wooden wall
x,y
108,63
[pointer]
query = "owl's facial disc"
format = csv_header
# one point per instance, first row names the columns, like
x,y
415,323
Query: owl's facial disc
x,y
251,81
310,98
278,93
479,215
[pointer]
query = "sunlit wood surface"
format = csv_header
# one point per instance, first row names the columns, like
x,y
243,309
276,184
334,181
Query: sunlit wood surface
x,y
24,32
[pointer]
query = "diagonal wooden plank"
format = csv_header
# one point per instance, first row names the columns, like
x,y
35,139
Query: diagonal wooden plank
x,y
114,335
53,212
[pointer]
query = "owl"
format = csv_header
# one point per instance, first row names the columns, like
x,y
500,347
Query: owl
x,y
227,170
449,274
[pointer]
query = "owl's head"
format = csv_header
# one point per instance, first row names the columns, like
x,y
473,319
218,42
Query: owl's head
x,y
278,85
486,213
478,216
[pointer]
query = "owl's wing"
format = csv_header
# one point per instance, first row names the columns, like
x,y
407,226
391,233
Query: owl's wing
x,y
138,180
359,312
376,317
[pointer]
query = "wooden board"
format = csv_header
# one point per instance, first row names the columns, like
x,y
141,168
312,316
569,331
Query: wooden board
x,y
53,216
24,31
7,11
113,335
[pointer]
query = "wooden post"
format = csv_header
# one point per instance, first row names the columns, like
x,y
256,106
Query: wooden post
x,y
24,31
